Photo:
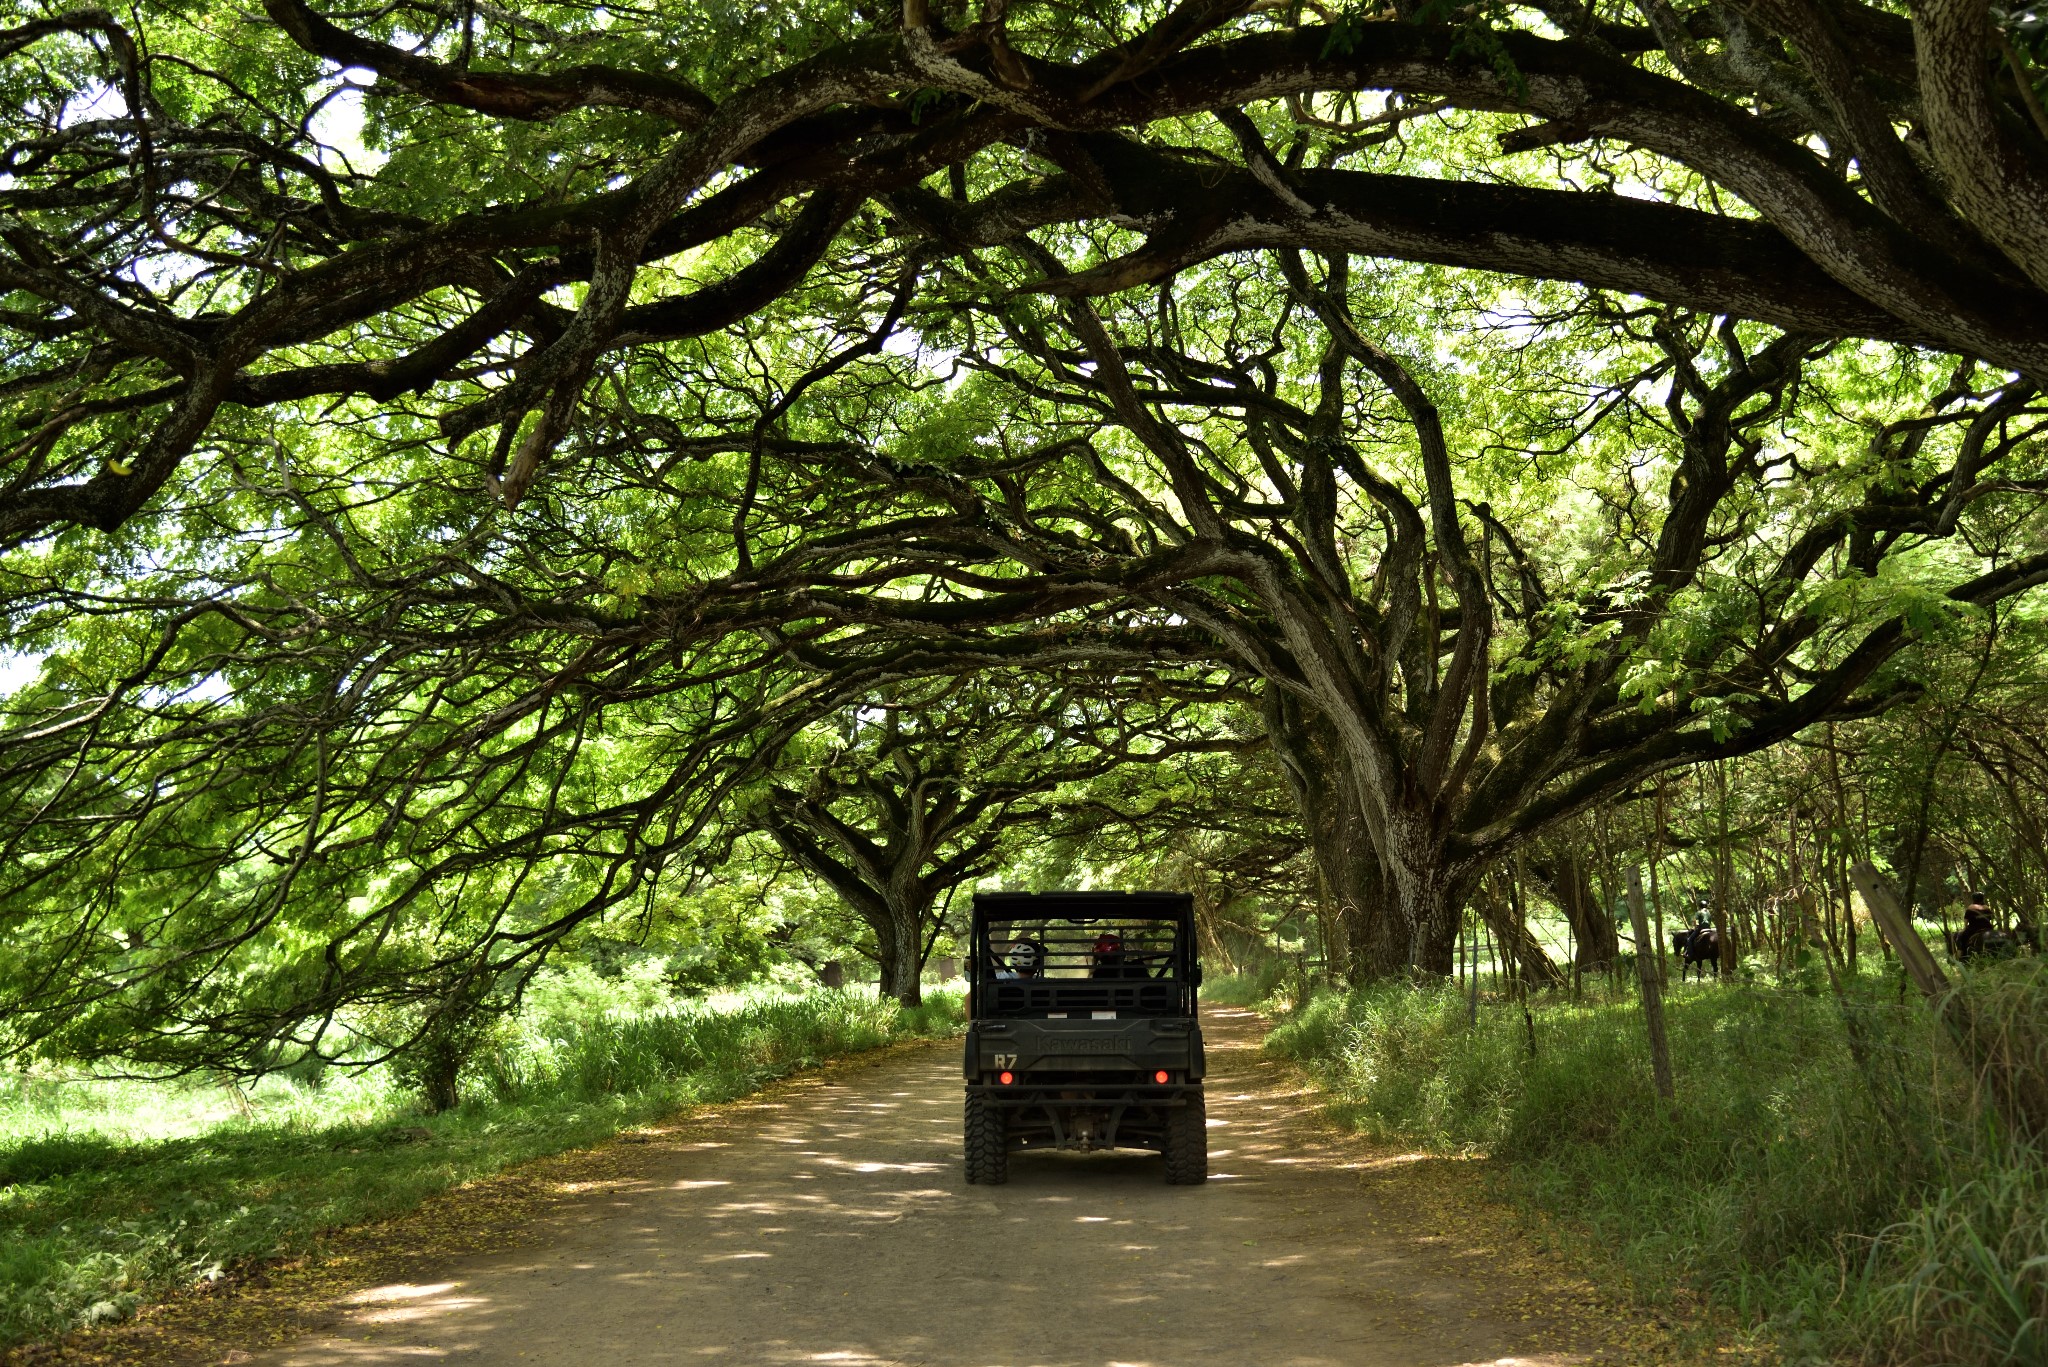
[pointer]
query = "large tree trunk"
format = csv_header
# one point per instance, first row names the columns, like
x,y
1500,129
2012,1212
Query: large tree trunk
x,y
1403,894
1347,866
1334,932
888,892
1401,913
1426,894
899,947
1357,887
1376,950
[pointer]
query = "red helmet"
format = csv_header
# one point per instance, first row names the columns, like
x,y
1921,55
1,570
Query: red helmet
x,y
1108,942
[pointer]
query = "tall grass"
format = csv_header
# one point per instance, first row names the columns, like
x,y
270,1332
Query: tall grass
x,y
692,1051
1253,985
114,1193
1852,1204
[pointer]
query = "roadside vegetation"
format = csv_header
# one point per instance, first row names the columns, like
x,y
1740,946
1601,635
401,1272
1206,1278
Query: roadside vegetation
x,y
116,1192
1842,1210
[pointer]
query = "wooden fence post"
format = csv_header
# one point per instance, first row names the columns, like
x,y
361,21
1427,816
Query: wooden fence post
x,y
2004,1055
1653,992
1898,930
1472,1007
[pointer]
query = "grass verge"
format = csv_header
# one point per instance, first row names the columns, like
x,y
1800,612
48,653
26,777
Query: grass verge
x,y
1847,1204
102,1210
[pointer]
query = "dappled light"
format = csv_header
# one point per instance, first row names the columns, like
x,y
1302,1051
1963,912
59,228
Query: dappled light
x,y
828,1224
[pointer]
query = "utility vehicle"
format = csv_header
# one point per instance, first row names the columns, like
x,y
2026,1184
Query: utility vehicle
x,y
1082,1031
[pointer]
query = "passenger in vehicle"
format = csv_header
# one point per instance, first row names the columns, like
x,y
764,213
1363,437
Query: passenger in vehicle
x,y
1112,960
1026,959
1109,956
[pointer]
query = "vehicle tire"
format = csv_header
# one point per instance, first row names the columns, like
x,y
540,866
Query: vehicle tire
x,y
1186,1149
988,1146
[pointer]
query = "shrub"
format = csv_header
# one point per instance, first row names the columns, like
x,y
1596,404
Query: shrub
x,y
1853,1201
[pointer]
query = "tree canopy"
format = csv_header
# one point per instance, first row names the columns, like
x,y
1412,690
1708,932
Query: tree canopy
x,y
463,467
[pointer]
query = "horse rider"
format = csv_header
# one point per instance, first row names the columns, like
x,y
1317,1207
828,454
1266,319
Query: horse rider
x,y
1702,924
1977,923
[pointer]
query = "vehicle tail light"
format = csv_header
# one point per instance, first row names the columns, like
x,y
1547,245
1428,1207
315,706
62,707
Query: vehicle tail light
x,y
1006,1078
1160,1076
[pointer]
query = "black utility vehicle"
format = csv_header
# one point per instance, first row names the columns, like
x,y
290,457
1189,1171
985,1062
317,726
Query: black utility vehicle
x,y
1082,1030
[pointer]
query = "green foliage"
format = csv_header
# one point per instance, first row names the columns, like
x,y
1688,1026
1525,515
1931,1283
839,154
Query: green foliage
x,y
1346,27
103,1210
1844,1208
396,731
2025,27
442,1049
1479,29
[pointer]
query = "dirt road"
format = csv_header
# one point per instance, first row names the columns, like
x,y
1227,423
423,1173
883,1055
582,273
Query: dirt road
x,y
827,1222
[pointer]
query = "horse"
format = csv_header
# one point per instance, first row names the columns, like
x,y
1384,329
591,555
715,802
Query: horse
x,y
1698,946
1989,944
1999,944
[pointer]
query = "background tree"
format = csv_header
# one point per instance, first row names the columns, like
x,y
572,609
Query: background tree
x,y
909,796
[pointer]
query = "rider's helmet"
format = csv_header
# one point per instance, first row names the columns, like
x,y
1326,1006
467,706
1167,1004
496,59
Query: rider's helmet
x,y
1024,958
1109,942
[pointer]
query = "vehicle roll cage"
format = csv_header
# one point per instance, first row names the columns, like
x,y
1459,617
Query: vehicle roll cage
x,y
1150,969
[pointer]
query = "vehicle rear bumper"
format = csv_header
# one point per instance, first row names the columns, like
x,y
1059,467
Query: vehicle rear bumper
x,y
1024,1092
1069,1114
1070,1047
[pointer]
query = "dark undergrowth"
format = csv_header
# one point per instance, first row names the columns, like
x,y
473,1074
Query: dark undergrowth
x,y
97,1215
1846,1205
